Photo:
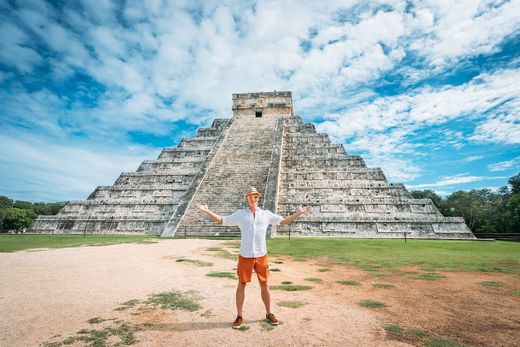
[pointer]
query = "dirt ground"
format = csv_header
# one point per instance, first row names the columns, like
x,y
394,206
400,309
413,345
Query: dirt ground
x,y
47,296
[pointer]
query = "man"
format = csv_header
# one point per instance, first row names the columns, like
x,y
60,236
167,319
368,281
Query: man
x,y
253,223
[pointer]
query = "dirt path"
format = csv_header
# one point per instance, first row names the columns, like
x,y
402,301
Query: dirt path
x,y
48,296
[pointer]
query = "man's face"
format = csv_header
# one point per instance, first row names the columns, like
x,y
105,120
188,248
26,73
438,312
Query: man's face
x,y
252,200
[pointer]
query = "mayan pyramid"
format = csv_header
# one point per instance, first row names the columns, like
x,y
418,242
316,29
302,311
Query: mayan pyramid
x,y
266,146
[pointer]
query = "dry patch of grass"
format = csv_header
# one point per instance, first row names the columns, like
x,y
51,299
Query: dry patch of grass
x,y
97,320
175,300
324,269
222,253
491,284
435,341
266,326
382,285
393,328
229,275
291,304
430,276
119,335
128,304
418,332
313,279
198,263
349,282
290,287
372,304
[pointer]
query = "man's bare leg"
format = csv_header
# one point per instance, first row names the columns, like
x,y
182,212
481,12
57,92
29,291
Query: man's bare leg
x,y
266,296
240,297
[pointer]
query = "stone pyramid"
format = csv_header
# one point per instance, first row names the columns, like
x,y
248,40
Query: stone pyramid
x,y
264,145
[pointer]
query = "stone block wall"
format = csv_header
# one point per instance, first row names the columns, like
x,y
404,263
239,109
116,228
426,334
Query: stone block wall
x,y
348,198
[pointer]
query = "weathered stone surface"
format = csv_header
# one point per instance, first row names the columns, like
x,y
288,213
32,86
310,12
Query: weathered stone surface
x,y
266,146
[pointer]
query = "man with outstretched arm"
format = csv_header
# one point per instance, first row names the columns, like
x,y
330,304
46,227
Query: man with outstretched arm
x,y
253,223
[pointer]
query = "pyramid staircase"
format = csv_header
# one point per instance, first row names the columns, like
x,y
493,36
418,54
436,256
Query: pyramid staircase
x,y
243,160
264,145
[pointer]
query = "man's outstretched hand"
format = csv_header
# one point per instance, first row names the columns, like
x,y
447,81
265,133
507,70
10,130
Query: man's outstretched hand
x,y
305,209
201,207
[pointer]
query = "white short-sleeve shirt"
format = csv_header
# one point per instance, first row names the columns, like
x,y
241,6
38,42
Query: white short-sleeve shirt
x,y
252,230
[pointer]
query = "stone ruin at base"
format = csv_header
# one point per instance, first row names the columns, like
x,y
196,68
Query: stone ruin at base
x,y
263,145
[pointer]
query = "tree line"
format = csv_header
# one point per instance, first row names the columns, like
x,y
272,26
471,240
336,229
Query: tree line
x,y
17,215
483,210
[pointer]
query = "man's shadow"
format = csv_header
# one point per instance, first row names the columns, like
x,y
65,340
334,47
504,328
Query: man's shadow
x,y
194,326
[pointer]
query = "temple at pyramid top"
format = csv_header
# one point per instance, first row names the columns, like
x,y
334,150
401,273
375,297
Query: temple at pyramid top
x,y
262,104
266,146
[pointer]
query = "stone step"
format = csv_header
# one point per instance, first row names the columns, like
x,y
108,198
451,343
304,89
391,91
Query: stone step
x,y
334,184
374,200
324,195
171,153
169,166
135,193
92,225
380,226
118,209
297,151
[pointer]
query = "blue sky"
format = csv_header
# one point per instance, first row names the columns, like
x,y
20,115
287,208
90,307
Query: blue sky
x,y
427,90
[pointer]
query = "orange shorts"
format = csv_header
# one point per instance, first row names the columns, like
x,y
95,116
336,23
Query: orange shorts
x,y
246,265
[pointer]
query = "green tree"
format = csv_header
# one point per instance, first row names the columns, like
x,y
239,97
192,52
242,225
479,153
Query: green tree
x,y
512,213
24,205
47,208
478,207
514,182
5,202
17,219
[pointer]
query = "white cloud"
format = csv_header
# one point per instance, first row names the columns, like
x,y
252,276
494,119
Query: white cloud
x,y
473,158
504,165
505,128
464,28
453,180
15,48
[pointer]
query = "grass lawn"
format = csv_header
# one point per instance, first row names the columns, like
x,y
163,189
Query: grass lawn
x,y
371,254
13,243
443,255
